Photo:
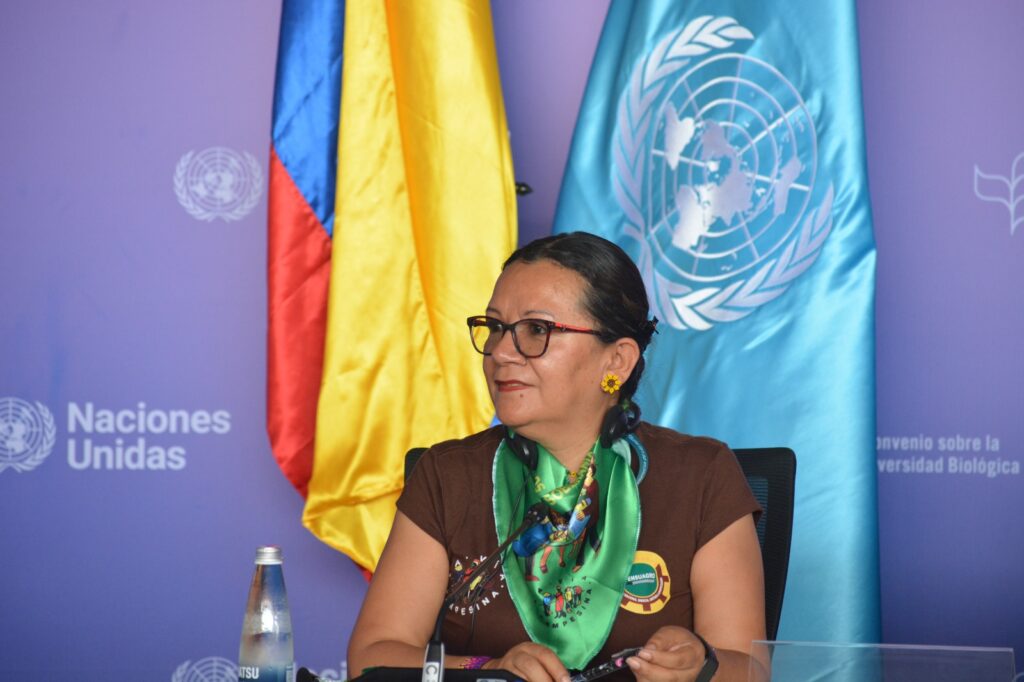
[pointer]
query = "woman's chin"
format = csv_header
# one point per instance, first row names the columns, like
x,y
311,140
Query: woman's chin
x,y
510,422
512,418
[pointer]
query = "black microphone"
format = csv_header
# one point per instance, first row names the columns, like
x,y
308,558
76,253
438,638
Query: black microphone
x,y
433,660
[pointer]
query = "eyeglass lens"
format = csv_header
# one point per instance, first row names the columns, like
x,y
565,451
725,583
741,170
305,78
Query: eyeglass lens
x,y
530,337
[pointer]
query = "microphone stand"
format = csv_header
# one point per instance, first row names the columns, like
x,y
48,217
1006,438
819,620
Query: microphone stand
x,y
433,661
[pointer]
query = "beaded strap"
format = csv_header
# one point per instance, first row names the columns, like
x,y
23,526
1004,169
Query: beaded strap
x,y
474,662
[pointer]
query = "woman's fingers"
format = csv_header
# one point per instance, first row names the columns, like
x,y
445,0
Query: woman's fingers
x,y
533,662
672,654
679,656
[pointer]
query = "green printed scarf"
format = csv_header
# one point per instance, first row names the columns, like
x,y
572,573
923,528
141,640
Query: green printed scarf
x,y
568,590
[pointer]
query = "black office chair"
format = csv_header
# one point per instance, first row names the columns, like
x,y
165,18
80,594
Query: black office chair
x,y
411,458
771,473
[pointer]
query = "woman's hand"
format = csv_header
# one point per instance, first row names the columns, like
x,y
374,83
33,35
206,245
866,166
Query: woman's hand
x,y
533,662
672,654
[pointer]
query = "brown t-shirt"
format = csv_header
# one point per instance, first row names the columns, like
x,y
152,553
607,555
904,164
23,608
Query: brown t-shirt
x,y
693,490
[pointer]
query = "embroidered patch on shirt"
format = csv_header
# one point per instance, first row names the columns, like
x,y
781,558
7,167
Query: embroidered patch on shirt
x,y
647,586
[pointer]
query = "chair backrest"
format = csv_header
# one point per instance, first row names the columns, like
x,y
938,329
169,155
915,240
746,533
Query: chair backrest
x,y
771,474
411,458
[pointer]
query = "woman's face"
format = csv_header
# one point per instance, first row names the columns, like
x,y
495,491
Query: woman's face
x,y
556,396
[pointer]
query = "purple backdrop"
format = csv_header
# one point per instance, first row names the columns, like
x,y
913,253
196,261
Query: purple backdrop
x,y
118,294
942,96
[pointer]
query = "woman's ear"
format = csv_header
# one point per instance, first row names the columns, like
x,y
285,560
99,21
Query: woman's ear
x,y
625,353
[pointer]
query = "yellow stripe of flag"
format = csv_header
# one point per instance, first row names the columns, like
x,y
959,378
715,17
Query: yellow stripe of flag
x,y
425,214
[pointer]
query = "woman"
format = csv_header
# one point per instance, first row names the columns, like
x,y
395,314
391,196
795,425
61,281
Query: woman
x,y
563,340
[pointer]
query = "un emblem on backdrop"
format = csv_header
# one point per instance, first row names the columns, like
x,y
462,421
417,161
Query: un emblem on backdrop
x,y
209,669
1008,191
27,434
716,162
218,183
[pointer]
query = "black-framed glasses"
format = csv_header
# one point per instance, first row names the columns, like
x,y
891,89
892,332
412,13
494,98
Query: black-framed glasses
x,y
529,336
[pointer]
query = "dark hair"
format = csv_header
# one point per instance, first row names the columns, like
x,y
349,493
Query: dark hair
x,y
615,296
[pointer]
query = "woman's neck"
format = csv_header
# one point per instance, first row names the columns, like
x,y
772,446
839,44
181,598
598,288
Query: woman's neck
x,y
569,442
572,451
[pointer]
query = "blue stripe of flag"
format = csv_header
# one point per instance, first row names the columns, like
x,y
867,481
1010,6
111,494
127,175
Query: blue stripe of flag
x,y
307,98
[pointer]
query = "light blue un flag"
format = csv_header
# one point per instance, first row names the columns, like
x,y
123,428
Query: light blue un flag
x,y
721,145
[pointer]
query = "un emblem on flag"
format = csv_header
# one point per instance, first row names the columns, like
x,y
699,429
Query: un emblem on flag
x,y
27,434
218,183
716,161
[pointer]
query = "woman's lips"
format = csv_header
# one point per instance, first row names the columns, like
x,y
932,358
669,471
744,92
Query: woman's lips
x,y
506,386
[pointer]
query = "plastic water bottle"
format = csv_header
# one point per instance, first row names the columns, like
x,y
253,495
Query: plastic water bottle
x,y
266,652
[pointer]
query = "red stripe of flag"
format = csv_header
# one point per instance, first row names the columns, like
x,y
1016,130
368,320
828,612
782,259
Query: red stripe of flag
x,y
298,270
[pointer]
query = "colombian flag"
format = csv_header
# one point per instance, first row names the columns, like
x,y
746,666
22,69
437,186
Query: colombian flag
x,y
300,221
424,214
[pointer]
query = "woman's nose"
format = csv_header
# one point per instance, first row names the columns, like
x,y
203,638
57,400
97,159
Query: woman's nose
x,y
505,350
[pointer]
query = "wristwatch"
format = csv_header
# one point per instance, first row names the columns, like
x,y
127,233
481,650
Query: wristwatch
x,y
710,667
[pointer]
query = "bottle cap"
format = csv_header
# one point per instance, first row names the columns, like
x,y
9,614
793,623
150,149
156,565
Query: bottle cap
x,y
268,555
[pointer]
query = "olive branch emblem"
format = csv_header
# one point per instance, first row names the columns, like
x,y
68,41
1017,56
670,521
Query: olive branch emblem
x,y
1008,191
180,672
41,449
231,210
680,305
209,669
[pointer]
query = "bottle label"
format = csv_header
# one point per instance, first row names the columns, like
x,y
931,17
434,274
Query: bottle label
x,y
266,673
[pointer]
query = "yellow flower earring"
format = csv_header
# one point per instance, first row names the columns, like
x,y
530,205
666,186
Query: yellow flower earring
x,y
611,383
